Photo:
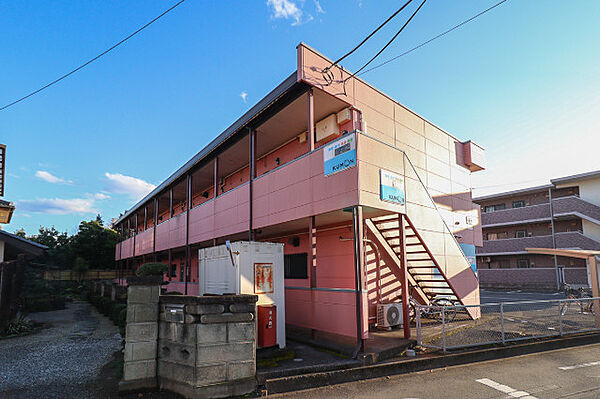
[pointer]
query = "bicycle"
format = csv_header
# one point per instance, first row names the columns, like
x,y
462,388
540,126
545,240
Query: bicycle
x,y
434,310
576,296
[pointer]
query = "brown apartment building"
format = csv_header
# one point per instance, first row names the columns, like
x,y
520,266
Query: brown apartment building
x,y
562,214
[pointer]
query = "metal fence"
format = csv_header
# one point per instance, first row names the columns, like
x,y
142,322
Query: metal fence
x,y
451,327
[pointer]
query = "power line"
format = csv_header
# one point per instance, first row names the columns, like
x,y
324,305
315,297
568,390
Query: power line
x,y
93,59
435,37
370,35
389,42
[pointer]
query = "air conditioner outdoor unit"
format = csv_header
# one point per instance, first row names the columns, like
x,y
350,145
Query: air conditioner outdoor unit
x,y
389,314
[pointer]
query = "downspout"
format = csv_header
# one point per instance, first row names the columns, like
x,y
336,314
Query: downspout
x,y
553,239
357,219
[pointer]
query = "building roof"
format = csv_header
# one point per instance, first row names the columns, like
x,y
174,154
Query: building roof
x,y
553,183
235,128
513,192
580,176
22,244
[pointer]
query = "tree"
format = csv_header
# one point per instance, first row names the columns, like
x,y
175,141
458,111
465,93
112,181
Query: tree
x,y
20,233
95,243
80,266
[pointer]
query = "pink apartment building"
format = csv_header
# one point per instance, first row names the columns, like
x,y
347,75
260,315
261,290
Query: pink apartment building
x,y
368,198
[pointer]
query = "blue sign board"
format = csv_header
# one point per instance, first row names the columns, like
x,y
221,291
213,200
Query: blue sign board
x,y
469,251
340,155
391,187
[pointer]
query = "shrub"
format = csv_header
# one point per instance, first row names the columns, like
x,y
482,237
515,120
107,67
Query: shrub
x,y
122,319
151,269
117,308
18,326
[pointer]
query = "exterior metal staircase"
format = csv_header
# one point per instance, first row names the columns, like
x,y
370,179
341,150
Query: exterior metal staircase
x,y
426,278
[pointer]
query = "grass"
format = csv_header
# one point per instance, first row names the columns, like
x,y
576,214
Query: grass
x,y
273,361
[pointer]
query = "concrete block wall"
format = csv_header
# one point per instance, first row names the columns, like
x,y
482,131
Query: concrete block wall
x,y
207,345
141,334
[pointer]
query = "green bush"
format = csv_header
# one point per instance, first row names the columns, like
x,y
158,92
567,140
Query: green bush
x,y
151,269
117,308
18,326
122,319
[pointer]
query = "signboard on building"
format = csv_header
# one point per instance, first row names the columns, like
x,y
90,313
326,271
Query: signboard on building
x,y
391,187
469,251
263,278
340,155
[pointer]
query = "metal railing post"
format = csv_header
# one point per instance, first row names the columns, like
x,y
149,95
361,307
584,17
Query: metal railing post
x,y
418,310
502,323
560,327
443,330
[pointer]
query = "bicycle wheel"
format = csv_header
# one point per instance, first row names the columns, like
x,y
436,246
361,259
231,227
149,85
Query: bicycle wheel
x,y
449,313
564,308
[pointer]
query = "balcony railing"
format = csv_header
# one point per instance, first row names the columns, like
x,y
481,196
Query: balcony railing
x,y
563,206
571,239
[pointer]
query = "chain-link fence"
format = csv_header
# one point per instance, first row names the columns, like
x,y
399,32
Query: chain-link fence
x,y
451,327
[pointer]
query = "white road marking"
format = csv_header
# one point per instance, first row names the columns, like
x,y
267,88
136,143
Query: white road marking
x,y
578,366
513,393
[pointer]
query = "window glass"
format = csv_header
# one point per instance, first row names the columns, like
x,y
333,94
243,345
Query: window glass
x,y
521,234
296,265
523,263
518,204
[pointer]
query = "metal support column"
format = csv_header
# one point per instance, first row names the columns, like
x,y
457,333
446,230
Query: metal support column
x,y
187,232
216,177
404,276
170,202
357,221
311,120
154,231
553,239
252,175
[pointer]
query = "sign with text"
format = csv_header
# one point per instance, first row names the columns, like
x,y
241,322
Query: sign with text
x,y
340,155
391,187
263,278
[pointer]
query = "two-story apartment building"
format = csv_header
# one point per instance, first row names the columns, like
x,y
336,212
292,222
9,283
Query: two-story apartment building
x,y
562,214
363,193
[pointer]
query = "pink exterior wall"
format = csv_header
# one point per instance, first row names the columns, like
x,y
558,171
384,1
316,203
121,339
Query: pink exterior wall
x,y
299,189
144,242
118,251
331,306
127,248
171,234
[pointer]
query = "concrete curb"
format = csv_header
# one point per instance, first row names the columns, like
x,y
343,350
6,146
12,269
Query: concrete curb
x,y
319,379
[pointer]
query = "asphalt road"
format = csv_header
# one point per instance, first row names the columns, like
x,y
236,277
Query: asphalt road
x,y
489,296
572,373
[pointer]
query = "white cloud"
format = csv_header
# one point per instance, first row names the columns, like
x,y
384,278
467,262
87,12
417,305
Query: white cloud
x,y
244,96
58,206
120,184
286,9
101,196
50,178
319,8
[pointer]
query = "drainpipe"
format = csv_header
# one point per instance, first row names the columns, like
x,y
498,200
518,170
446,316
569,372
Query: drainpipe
x,y
358,252
553,239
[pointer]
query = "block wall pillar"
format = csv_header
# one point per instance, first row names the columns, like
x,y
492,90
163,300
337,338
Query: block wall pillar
x,y
141,334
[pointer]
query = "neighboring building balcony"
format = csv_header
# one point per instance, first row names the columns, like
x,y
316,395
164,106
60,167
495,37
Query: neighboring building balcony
x,y
563,207
572,205
515,246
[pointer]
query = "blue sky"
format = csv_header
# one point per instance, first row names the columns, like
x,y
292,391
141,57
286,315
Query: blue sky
x,y
522,80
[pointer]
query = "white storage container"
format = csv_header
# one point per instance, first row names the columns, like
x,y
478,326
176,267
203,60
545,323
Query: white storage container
x,y
257,268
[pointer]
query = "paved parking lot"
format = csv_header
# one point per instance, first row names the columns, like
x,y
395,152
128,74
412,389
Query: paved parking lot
x,y
567,373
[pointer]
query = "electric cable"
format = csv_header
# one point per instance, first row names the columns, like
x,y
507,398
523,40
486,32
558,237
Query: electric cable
x,y
435,37
93,59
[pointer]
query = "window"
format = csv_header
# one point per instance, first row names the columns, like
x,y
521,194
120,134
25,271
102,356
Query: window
x,y
493,208
518,204
296,265
492,236
520,234
181,266
523,263
173,270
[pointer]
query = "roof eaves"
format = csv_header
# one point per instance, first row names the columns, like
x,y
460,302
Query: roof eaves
x,y
277,92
